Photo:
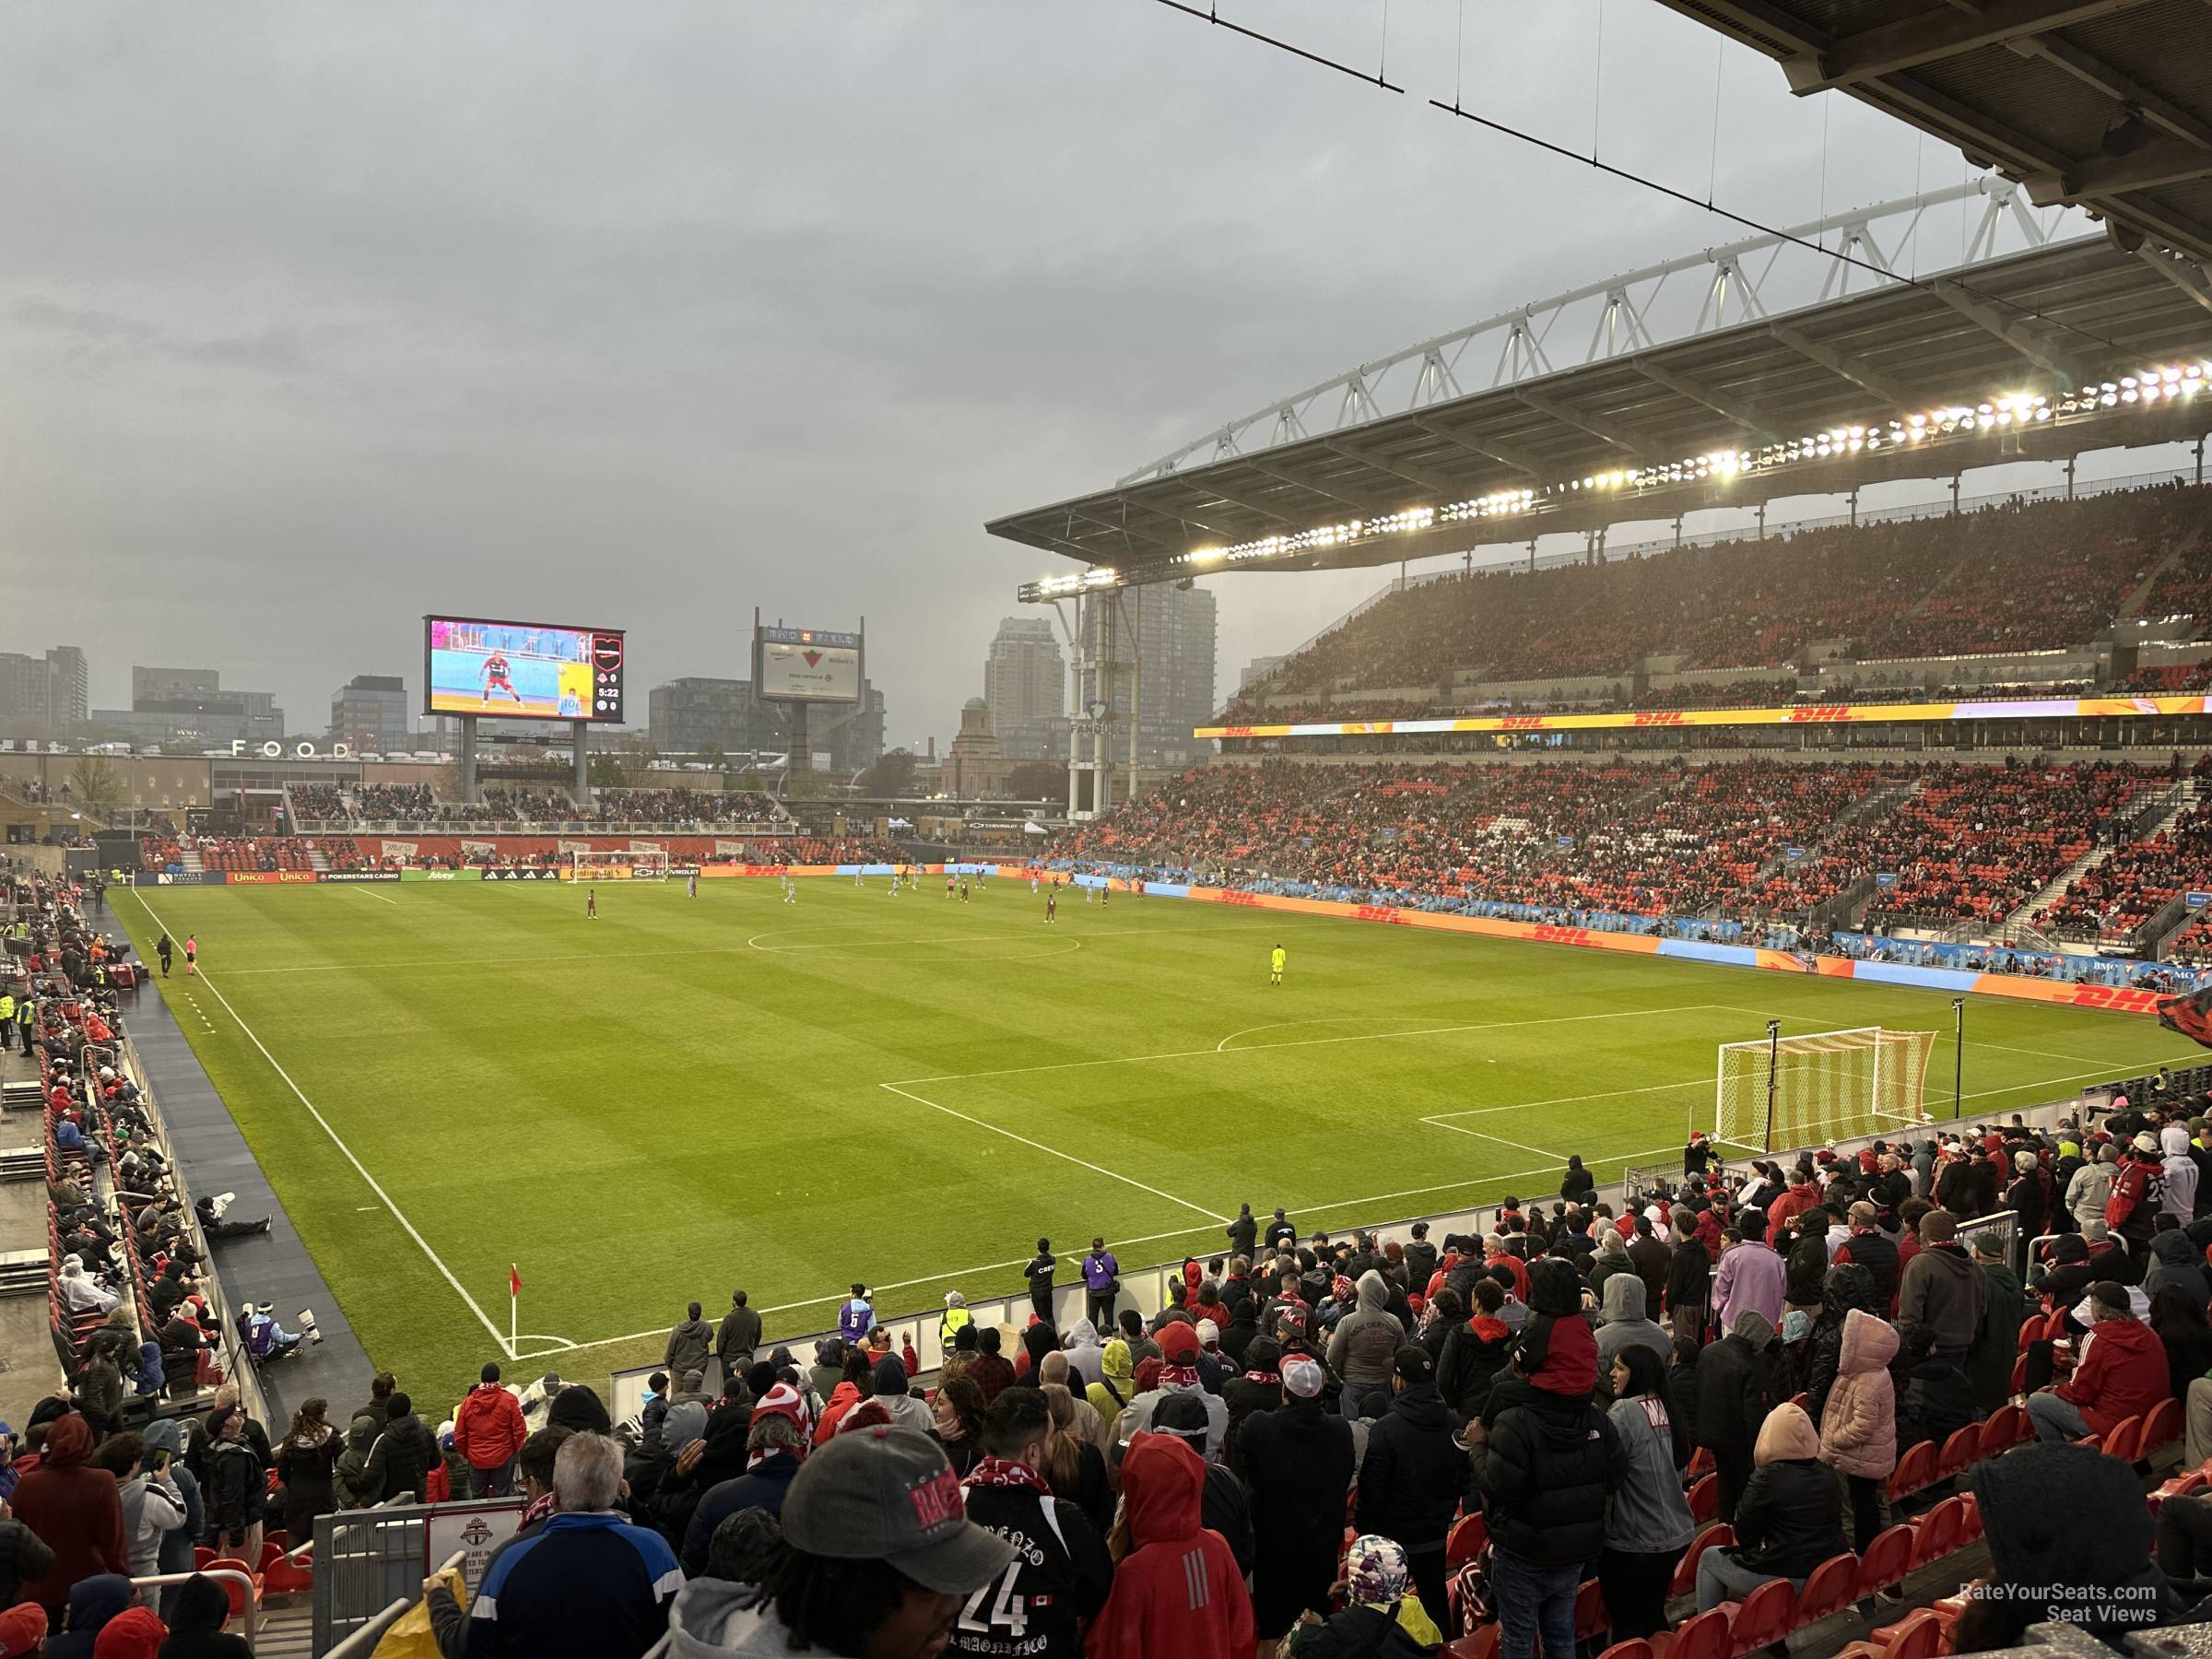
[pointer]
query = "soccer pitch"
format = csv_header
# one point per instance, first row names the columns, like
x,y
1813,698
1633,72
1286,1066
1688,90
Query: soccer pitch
x,y
685,1096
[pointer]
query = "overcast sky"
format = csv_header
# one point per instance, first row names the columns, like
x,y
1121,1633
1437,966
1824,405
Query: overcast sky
x,y
316,317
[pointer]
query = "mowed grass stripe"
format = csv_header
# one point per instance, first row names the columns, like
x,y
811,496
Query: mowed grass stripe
x,y
646,1109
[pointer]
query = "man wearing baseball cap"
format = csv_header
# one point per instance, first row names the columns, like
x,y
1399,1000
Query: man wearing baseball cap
x,y
2123,1373
877,1556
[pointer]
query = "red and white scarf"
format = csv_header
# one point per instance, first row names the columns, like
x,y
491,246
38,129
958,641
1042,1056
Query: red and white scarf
x,y
1179,1376
1001,1472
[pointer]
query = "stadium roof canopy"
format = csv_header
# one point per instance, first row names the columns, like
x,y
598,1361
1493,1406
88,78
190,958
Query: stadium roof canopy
x,y
2052,320
2102,104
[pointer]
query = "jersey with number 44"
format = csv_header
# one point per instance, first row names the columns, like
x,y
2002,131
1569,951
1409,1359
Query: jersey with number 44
x,y
1060,1575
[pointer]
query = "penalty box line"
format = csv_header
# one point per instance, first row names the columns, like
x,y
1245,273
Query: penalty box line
x,y
360,1168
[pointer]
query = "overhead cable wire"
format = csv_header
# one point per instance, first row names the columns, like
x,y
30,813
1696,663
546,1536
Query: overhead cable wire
x,y
1708,205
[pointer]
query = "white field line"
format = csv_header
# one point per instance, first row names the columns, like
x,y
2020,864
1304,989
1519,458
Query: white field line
x,y
1310,1210
397,1214
1492,1025
1607,1094
1054,1151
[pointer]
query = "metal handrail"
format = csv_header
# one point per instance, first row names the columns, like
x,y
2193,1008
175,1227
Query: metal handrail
x,y
253,1596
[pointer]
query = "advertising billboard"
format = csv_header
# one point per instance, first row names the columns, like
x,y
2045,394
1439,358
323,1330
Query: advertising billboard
x,y
521,670
805,664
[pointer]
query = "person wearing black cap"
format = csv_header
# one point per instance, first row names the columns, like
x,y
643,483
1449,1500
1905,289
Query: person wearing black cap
x,y
403,1454
877,1556
2121,1374
1413,1476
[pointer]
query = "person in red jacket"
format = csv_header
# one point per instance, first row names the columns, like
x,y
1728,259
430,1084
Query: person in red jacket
x,y
1801,1196
76,1510
488,1431
1178,1591
2123,1375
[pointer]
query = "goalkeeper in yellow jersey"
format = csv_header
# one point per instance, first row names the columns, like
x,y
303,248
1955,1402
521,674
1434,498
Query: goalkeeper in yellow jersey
x,y
1275,958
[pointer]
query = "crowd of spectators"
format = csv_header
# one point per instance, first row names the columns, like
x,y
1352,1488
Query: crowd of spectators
x,y
507,805
2113,898
1743,839
2007,578
1589,1420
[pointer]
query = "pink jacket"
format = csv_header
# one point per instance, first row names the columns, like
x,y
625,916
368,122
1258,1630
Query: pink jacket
x,y
1858,1429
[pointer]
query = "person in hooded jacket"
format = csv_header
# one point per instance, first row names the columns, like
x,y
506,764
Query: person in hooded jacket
x,y
1364,1344
1116,1385
2091,1187
197,1621
1413,1473
1623,1321
1227,1508
1476,1352
488,1431
1179,1375
93,1601
1378,1619
2069,1539
1936,1401
164,1446
1176,1589
2174,1260
893,1394
1544,1462
152,1506
1789,1519
1736,1391
1297,1461
1085,1352
690,1340
76,1511
1848,1287
1649,1524
350,1480
1858,1425
1996,1342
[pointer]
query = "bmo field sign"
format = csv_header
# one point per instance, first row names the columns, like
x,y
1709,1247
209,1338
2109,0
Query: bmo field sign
x,y
805,664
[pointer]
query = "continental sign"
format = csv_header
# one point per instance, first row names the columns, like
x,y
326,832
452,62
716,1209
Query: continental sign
x,y
2038,708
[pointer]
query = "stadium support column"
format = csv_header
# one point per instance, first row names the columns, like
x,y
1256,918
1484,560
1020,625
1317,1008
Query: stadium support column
x,y
2200,459
2071,459
583,791
1957,1053
1137,688
469,796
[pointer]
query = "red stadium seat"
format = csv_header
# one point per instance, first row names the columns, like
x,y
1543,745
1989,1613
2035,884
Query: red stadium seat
x,y
2020,1375
1636,1647
1464,1542
2007,1428
1887,1559
1959,1452
1701,1463
1483,1644
1923,1636
1705,1499
238,1592
1941,1530
1703,1637
1916,1471
1762,1619
1591,1619
2124,1439
2162,1428
1686,1572
201,1556
1832,1587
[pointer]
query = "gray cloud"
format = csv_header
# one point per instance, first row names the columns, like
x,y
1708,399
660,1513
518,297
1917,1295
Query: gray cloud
x,y
313,317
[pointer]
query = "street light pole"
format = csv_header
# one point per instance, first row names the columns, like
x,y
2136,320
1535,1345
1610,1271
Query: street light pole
x,y
1958,1053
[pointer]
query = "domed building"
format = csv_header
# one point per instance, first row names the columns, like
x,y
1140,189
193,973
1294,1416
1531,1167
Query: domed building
x,y
976,766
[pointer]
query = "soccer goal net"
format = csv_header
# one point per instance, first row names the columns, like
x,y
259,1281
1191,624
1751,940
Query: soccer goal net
x,y
1799,1091
629,864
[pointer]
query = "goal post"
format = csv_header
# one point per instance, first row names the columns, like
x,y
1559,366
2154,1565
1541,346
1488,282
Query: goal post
x,y
619,864
1799,1091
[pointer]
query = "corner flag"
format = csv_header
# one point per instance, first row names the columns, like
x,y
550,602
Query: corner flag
x,y
514,1279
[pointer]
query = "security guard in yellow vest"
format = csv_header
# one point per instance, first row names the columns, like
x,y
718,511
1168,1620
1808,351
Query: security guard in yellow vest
x,y
8,1019
956,1317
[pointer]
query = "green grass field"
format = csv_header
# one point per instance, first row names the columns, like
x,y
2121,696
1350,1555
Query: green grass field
x,y
685,1096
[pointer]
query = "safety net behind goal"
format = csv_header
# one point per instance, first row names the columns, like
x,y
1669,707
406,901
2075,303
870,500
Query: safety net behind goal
x,y
1798,1091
